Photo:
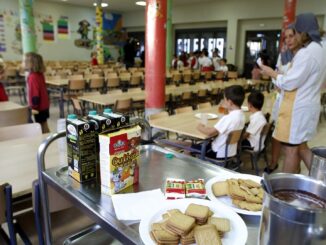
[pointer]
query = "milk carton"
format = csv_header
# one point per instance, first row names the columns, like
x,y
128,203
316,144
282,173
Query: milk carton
x,y
118,120
81,149
119,159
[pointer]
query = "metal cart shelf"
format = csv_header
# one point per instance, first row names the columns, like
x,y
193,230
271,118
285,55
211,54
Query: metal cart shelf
x,y
155,167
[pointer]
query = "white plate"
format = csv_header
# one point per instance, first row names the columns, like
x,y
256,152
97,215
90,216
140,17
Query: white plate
x,y
244,108
237,235
209,115
226,199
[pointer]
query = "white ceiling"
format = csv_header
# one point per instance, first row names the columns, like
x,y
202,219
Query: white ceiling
x,y
122,5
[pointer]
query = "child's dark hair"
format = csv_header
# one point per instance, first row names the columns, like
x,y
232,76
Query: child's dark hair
x,y
256,99
236,94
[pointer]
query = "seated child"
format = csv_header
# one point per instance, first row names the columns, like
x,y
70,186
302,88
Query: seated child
x,y
3,95
256,123
234,120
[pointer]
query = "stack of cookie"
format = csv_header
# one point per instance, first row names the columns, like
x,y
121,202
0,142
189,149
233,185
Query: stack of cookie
x,y
196,225
245,193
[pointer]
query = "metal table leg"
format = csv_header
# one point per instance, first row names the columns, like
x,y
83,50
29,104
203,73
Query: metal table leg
x,y
61,103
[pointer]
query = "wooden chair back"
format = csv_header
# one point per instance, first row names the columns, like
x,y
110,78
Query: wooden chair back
x,y
186,77
76,77
219,75
113,82
205,105
14,117
183,110
135,80
78,106
232,74
78,84
234,137
20,131
208,75
96,83
123,106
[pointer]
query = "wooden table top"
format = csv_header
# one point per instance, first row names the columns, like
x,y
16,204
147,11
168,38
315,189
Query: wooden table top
x,y
19,163
57,83
186,123
8,105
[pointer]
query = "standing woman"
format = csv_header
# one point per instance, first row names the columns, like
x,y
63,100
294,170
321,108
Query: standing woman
x,y
37,93
284,63
301,85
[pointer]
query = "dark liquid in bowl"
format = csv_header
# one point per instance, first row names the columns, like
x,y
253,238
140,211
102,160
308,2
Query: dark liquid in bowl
x,y
300,199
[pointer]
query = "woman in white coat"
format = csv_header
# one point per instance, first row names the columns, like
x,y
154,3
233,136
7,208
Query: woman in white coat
x,y
300,106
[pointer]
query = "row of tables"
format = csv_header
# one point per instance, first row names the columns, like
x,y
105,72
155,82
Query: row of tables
x,y
110,98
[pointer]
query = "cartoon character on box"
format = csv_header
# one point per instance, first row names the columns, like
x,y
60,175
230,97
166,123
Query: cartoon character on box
x,y
116,179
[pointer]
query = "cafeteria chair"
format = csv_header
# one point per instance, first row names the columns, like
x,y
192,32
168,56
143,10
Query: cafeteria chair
x,y
195,76
202,96
183,110
219,75
185,99
232,75
176,77
96,84
231,162
186,77
264,139
135,81
205,105
78,107
124,106
208,75
20,131
14,116
6,216
159,134
113,81
75,88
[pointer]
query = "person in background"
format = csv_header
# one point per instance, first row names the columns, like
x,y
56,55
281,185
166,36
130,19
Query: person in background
x,y
192,61
180,63
255,72
174,63
205,62
216,60
235,120
284,62
223,67
38,98
94,61
257,121
3,95
300,107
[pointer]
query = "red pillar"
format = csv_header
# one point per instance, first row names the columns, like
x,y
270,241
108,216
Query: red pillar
x,y
288,16
155,54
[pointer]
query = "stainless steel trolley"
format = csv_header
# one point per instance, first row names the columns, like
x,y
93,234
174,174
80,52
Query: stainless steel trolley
x,y
154,169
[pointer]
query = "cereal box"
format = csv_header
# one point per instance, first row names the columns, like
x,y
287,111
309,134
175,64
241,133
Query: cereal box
x,y
119,159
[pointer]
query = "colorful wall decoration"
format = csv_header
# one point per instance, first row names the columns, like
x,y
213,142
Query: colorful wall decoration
x,y
113,31
63,27
48,29
2,34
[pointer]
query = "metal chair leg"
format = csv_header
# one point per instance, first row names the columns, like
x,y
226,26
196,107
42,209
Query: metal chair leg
x,y
9,216
37,213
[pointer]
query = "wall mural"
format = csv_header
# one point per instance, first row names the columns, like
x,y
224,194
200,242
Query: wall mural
x,y
47,29
114,34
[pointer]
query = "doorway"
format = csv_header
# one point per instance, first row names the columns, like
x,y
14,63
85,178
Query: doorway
x,y
260,42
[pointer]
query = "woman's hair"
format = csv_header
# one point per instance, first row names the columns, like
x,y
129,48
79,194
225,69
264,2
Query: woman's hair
x,y
305,38
34,62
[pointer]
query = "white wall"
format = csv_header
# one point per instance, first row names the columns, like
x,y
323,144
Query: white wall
x,y
240,16
60,49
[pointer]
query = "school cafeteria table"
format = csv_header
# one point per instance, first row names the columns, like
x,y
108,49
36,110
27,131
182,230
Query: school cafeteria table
x,y
186,123
155,167
8,105
18,162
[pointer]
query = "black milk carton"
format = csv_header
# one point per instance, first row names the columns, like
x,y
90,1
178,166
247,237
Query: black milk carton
x,y
118,120
81,149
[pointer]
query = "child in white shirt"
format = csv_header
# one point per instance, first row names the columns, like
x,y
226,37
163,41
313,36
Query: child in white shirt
x,y
256,123
234,120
